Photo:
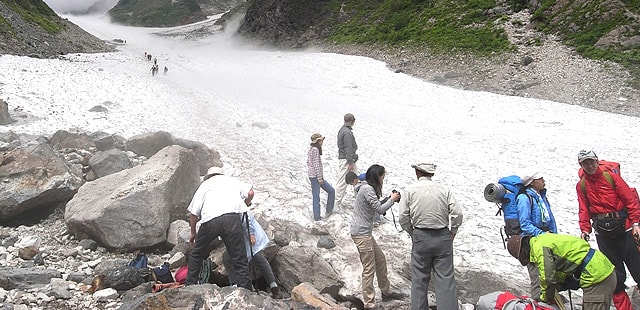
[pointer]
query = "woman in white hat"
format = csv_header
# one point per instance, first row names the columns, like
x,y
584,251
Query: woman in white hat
x,y
316,177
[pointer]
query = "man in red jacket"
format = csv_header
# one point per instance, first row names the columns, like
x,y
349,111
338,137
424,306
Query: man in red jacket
x,y
606,199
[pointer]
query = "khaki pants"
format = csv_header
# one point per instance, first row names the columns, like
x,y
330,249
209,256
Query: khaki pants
x,y
341,185
373,263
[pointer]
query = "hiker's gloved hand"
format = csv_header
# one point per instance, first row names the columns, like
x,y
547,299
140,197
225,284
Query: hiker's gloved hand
x,y
585,236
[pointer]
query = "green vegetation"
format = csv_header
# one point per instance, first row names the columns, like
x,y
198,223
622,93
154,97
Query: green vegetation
x,y
37,12
469,27
156,13
5,27
444,26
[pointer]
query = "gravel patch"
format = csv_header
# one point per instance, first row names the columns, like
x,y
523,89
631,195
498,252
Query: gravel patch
x,y
541,68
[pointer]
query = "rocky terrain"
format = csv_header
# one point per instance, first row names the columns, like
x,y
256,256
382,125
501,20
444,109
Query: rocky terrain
x,y
550,70
19,36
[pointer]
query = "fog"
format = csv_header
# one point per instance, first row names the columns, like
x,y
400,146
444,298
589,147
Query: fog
x,y
81,6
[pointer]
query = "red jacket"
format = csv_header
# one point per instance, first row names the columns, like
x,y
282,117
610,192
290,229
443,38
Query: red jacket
x,y
603,198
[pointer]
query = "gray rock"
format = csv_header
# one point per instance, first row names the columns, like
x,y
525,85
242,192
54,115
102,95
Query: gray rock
x,y
88,244
291,266
132,209
326,242
26,278
104,163
35,176
148,144
63,139
5,117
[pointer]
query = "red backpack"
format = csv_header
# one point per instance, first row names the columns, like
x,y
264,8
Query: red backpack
x,y
508,301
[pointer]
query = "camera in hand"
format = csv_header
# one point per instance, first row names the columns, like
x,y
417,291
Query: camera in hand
x,y
395,191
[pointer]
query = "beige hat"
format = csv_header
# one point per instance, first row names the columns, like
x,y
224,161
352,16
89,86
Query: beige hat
x,y
426,168
528,179
214,170
316,137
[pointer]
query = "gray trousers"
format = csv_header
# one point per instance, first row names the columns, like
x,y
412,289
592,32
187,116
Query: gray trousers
x,y
534,277
598,296
432,252
260,262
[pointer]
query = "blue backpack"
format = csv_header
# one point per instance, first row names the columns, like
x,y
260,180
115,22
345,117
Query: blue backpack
x,y
503,194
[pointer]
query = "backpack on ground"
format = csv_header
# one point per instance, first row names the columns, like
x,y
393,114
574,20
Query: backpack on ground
x,y
503,194
508,301
162,274
205,273
140,262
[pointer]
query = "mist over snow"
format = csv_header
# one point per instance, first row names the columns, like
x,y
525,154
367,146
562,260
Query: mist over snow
x,y
259,109
75,6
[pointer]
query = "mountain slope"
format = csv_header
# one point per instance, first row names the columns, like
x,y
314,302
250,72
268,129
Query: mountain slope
x,y
30,27
157,13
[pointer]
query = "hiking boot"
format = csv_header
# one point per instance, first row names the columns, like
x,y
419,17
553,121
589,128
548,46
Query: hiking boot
x,y
276,293
393,295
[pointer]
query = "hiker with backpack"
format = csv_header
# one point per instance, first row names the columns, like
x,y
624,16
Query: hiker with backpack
x,y
563,259
255,241
535,218
612,209
431,215
217,205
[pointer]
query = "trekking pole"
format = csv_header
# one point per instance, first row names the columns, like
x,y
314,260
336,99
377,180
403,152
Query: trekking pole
x,y
253,266
570,300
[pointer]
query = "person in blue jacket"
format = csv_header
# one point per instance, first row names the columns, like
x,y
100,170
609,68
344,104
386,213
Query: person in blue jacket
x,y
255,242
535,217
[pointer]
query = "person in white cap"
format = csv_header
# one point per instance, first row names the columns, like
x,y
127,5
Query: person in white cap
x,y
535,218
217,206
606,199
431,215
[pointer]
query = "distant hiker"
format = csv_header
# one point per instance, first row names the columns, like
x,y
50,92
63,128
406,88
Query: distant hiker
x,y
255,242
347,156
567,260
165,70
535,217
217,205
155,61
149,57
154,70
606,199
374,263
316,177
431,215
145,55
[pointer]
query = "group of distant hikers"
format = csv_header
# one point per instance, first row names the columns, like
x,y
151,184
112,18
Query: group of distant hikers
x,y
154,67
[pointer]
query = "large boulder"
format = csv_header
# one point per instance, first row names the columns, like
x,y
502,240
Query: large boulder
x,y
26,278
63,139
35,176
5,117
132,209
206,157
108,162
295,265
147,144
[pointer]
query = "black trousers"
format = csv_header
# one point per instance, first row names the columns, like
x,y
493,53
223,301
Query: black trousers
x,y
621,250
229,228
